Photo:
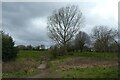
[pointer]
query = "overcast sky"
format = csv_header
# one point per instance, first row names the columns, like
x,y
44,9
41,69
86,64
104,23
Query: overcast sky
x,y
26,21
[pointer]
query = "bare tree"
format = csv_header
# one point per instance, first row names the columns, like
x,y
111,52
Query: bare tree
x,y
103,37
81,40
64,24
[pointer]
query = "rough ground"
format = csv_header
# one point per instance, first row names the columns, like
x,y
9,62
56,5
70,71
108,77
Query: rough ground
x,y
89,62
42,74
79,62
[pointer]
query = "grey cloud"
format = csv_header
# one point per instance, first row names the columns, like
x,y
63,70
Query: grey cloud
x,y
16,17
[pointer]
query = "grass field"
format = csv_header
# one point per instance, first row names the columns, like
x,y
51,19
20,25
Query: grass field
x,y
71,65
95,72
108,56
90,72
36,55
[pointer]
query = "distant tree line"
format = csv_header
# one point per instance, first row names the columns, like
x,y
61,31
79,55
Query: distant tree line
x,y
30,47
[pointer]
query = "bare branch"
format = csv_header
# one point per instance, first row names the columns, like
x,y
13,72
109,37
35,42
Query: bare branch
x,y
64,24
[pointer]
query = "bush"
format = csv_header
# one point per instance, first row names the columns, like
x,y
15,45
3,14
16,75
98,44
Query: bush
x,y
53,52
9,52
20,64
56,51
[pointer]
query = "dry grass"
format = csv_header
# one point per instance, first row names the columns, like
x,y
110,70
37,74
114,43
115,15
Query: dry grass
x,y
21,64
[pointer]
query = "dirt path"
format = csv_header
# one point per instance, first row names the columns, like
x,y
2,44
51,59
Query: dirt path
x,y
42,74
43,71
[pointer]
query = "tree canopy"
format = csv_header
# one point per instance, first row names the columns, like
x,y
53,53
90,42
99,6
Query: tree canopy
x,y
103,37
64,23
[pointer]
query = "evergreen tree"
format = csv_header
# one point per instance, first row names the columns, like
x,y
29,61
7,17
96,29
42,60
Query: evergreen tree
x,y
9,52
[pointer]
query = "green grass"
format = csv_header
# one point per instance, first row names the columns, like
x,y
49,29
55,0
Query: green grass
x,y
30,53
106,56
95,72
37,55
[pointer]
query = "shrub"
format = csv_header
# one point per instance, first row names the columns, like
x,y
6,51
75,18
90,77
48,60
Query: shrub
x,y
53,52
56,51
21,64
9,52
